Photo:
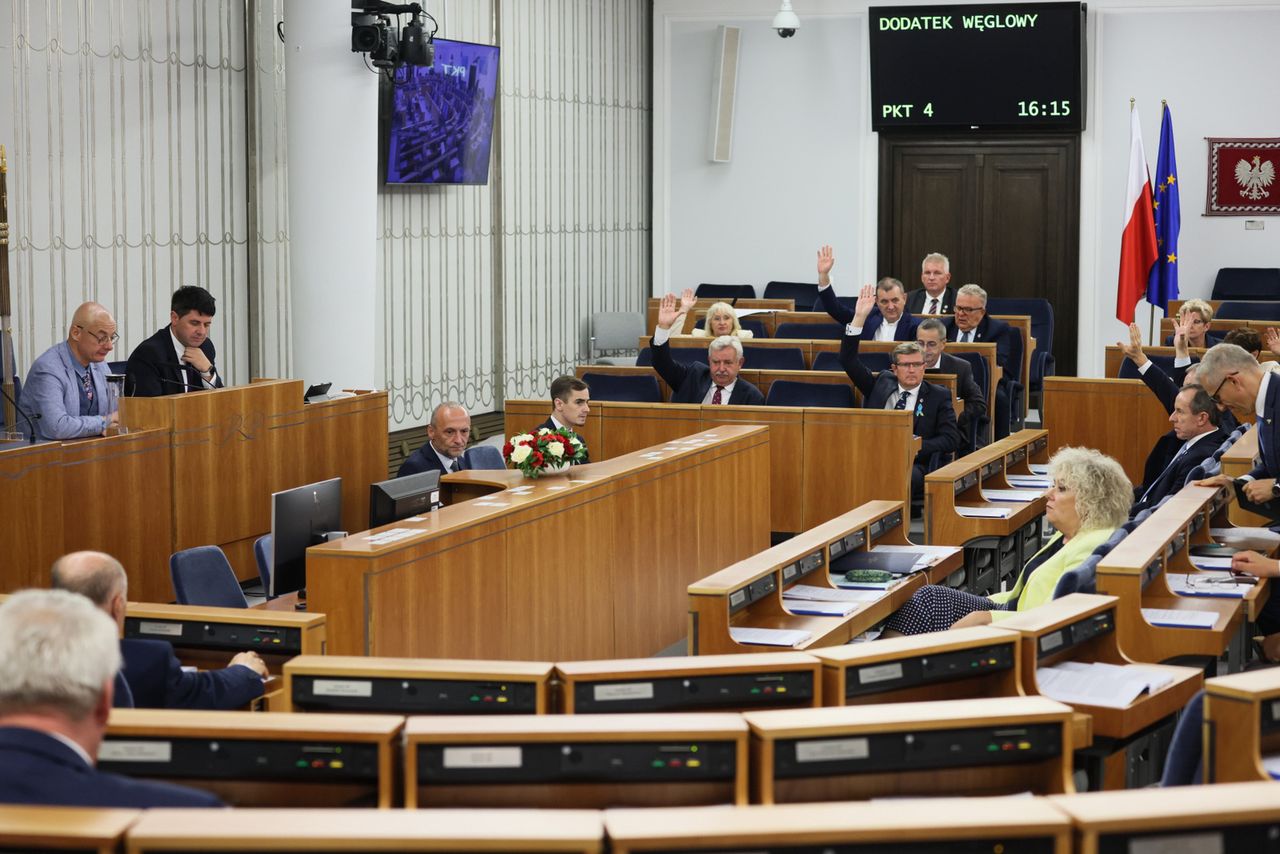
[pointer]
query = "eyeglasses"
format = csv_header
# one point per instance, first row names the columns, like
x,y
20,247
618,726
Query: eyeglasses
x,y
102,338
1205,582
909,364
1214,396
960,309
930,345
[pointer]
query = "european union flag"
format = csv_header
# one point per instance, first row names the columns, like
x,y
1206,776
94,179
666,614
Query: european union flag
x,y
1162,285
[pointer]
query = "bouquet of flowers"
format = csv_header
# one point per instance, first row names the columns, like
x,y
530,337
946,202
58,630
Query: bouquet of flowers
x,y
544,452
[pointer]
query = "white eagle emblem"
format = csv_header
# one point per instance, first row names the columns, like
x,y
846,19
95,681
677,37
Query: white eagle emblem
x,y
1253,179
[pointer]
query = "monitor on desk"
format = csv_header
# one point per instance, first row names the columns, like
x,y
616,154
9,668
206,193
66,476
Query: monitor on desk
x,y
300,518
402,497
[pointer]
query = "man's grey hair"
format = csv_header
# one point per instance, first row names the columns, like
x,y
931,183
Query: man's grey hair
x,y
1222,359
725,341
888,283
907,348
97,576
448,404
937,256
1102,490
57,650
973,291
933,324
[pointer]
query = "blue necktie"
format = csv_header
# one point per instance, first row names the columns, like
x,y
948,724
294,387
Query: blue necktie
x,y
1166,471
902,401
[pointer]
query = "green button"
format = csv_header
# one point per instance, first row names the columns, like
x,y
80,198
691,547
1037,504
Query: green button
x,y
992,748
658,763
475,698
302,763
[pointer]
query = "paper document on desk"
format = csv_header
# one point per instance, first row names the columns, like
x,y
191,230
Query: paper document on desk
x,y
1021,495
1099,684
1205,585
1029,481
819,609
1178,619
1038,468
827,594
1272,765
984,512
769,637
391,535
1210,562
1259,539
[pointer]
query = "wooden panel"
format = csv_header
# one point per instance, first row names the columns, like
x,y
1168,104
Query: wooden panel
x,y
786,476
851,457
1121,418
31,513
700,307
346,439
628,427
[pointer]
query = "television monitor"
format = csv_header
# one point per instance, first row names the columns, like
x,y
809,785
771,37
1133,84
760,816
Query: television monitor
x,y
402,497
441,117
300,518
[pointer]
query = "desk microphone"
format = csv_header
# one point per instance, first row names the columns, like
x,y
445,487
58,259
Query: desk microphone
x,y
31,420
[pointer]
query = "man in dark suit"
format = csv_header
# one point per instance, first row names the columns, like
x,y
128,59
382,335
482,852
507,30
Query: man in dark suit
x,y
180,357
1237,380
971,324
58,661
888,321
937,296
152,677
448,433
903,388
1166,387
1196,435
717,382
570,406
931,334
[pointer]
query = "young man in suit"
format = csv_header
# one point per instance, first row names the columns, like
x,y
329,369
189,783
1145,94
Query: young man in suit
x,y
971,324
448,433
570,406
1198,435
58,662
888,321
903,388
717,382
931,334
180,357
66,391
152,678
937,296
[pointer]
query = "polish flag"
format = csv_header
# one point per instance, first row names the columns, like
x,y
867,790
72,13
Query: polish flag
x,y
1138,241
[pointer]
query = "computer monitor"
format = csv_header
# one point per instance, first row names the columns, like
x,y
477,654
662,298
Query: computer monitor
x,y
300,518
402,497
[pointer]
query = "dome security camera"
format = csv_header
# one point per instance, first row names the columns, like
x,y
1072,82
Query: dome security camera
x,y
786,22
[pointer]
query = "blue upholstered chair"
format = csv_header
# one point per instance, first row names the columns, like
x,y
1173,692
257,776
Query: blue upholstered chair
x,y
789,393
633,388
683,355
263,555
773,358
1248,311
826,360
803,294
203,576
1247,283
489,457
725,292
791,329
1041,313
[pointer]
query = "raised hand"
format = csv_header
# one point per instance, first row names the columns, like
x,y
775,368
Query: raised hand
x,y
687,300
826,260
1271,339
1181,326
866,302
667,311
1134,348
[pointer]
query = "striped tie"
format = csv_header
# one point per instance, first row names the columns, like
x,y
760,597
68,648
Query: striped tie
x,y
902,401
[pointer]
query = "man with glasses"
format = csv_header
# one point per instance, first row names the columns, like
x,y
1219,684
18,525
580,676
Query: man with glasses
x,y
1236,379
972,325
903,388
66,389
180,357
931,334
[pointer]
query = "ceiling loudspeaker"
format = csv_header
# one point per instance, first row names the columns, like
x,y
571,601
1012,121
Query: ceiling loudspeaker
x,y
724,90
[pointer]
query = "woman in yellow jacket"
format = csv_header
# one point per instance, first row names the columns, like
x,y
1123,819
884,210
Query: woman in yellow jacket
x,y
1088,501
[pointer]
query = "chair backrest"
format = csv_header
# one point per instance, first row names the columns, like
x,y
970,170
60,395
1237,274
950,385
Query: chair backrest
x,y
1039,310
757,327
489,457
980,375
725,292
826,360
617,330
119,367
683,355
203,576
876,362
262,554
773,358
1248,311
791,329
791,393
804,294
634,388
1084,577
1247,283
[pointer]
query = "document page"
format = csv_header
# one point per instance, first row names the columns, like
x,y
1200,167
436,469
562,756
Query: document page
x,y
1098,684
769,637
984,512
826,594
820,609
1029,481
1019,495
1206,585
1179,619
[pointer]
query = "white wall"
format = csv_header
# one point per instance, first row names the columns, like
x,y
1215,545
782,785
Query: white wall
x,y
1215,64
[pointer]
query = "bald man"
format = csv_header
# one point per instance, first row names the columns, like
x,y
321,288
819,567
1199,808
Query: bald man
x,y
152,677
66,389
448,433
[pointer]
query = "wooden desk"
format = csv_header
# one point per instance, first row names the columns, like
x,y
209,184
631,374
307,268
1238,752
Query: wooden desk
x,y
110,494
1228,818
949,747
1241,725
690,684
31,828
1238,461
415,686
564,571
202,634
986,824
577,761
255,759
257,830
749,592
231,448
1121,418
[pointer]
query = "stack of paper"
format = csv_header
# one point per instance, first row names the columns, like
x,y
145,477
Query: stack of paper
x,y
1272,764
1206,585
1179,619
928,555
1038,468
1029,481
1211,562
826,594
1021,495
984,512
1098,684
769,637
1259,539
820,609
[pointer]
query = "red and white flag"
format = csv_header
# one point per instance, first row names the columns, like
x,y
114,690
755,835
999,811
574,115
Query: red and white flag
x,y
1138,240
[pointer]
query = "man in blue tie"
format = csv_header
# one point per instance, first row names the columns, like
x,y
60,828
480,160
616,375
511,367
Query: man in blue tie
x,y
1237,380
1196,435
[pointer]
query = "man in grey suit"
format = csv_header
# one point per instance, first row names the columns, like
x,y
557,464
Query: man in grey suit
x,y
66,389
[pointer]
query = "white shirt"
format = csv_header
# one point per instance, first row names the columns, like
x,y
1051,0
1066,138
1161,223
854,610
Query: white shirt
x,y
912,395
181,351
445,460
724,394
1259,405
886,330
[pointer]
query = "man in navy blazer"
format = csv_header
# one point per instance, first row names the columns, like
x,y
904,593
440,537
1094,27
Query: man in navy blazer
x,y
58,660
903,388
66,389
887,321
1166,387
1235,378
152,676
931,334
1196,435
972,325
937,296
570,406
717,382
448,433
180,357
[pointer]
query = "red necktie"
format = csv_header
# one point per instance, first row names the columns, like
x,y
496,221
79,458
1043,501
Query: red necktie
x,y
716,399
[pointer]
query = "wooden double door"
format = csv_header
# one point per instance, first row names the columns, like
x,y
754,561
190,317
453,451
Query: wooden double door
x,y
1004,209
